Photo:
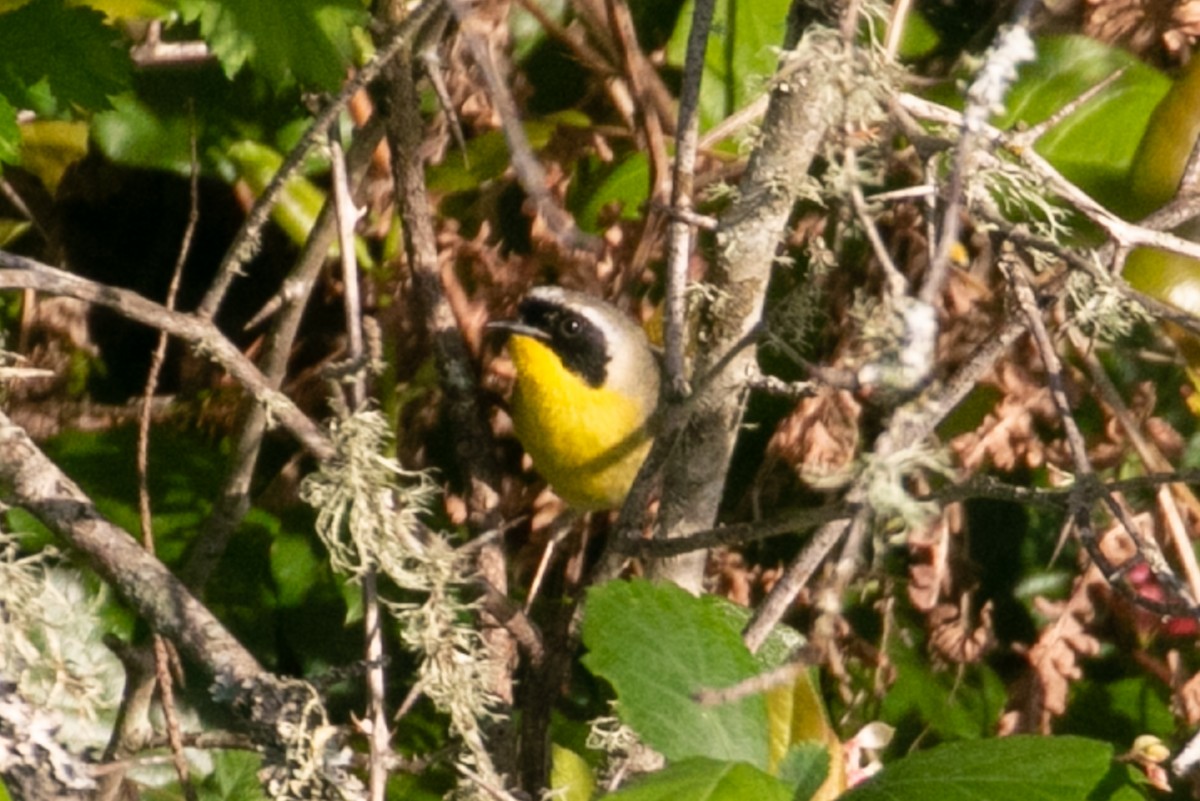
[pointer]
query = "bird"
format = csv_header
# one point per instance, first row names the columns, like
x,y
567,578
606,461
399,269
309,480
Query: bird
x,y
587,387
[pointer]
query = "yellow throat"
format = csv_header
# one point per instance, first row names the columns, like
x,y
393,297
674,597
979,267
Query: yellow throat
x,y
586,429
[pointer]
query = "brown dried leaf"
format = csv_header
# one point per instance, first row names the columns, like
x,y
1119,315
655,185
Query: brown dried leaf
x,y
1144,25
1042,693
731,577
953,640
1007,438
820,437
929,554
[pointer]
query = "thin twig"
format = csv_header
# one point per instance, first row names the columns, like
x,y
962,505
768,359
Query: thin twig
x,y
737,534
985,93
1169,497
528,169
1087,484
1125,234
457,371
376,724
679,235
233,501
161,658
896,23
246,242
347,219
783,675
580,49
18,272
897,284
780,598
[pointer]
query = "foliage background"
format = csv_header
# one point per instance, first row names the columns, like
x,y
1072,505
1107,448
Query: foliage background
x,y
959,618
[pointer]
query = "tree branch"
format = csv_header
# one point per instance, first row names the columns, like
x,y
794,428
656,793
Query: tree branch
x,y
18,272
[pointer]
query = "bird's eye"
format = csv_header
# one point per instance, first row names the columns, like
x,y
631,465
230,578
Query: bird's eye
x,y
570,326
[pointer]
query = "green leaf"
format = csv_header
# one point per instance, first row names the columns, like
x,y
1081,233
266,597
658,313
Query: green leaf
x,y
1094,147
309,41
50,147
570,777
1004,769
805,768
10,133
919,38
706,780
132,133
1119,710
658,645
742,53
81,60
295,567
128,9
12,230
300,201
234,778
487,157
627,186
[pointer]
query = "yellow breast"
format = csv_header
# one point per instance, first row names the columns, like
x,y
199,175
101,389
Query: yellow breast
x,y
587,442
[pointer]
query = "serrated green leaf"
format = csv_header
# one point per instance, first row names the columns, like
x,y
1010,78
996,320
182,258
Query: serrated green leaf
x,y
1004,769
658,645
707,780
742,53
309,41
84,66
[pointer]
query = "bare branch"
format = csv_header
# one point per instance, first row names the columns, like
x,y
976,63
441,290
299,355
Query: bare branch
x,y
18,272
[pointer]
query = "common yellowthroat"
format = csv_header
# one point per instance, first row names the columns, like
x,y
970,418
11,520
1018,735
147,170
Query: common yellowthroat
x,y
586,389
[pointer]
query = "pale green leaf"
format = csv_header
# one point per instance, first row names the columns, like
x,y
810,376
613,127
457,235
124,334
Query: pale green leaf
x,y
570,776
658,646
707,780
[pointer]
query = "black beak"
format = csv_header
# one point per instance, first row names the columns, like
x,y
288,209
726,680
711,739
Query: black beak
x,y
506,328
